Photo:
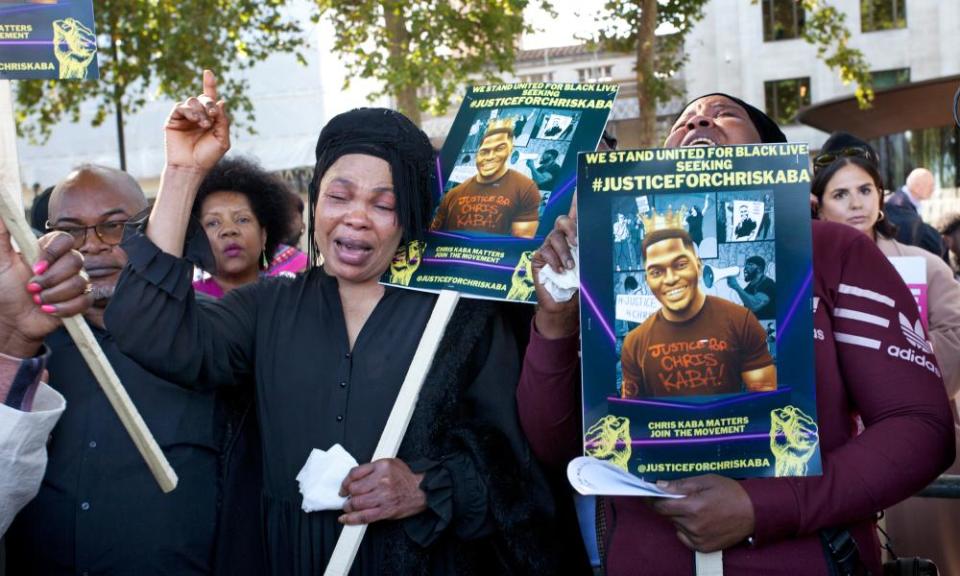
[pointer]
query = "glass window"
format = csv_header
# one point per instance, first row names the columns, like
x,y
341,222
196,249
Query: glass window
x,y
537,78
890,78
882,15
938,150
782,20
595,74
784,98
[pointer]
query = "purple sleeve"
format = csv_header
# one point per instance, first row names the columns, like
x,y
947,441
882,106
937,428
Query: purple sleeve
x,y
867,330
548,398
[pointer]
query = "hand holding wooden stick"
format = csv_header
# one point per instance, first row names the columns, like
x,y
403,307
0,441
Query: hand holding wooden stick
x,y
13,218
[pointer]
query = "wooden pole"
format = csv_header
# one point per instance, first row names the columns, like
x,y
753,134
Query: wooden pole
x,y
9,165
351,536
709,563
11,211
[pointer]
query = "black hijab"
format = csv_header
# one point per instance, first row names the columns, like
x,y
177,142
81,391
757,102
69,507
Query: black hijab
x,y
766,127
392,137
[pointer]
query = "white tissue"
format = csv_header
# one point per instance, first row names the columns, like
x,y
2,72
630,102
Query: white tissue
x,y
591,476
562,286
321,476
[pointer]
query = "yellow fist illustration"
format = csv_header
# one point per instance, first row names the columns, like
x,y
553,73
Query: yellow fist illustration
x,y
793,440
406,262
75,46
521,285
609,439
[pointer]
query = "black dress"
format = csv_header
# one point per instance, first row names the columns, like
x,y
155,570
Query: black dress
x,y
486,501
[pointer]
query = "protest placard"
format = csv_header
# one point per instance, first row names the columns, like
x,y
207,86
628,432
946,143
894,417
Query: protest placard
x,y
696,311
506,171
48,39
913,270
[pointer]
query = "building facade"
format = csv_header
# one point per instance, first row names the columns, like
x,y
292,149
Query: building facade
x,y
756,51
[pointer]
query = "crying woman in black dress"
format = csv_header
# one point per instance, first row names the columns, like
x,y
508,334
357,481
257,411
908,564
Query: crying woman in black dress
x,y
327,352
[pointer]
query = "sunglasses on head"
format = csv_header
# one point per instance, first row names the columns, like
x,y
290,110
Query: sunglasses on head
x,y
828,158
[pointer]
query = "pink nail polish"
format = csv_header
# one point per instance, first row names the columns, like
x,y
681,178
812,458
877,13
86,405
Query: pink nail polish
x,y
34,288
41,267
49,309
36,299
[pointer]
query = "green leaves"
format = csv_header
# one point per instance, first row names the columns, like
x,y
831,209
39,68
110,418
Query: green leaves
x,y
422,51
623,28
826,29
152,48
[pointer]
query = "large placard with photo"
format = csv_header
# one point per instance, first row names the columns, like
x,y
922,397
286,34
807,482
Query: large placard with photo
x,y
696,311
506,171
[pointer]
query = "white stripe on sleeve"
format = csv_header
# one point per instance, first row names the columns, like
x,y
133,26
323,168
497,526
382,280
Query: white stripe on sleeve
x,y
861,317
856,340
868,294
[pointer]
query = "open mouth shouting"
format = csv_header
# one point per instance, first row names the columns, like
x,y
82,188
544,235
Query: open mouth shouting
x,y
352,251
694,139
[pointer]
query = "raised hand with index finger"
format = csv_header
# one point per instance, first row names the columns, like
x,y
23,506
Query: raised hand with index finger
x,y
197,132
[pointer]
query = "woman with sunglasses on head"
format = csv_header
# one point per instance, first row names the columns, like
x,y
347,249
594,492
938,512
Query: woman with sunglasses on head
x,y
849,190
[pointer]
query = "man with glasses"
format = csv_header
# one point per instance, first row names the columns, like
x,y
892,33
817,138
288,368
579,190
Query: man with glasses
x,y
99,510
93,205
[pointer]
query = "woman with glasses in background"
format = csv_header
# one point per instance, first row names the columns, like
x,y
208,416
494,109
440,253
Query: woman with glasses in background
x,y
849,190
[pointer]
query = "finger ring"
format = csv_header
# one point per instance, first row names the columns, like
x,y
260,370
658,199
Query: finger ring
x,y
86,277
88,288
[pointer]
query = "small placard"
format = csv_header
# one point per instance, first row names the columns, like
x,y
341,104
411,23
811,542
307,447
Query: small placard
x,y
48,40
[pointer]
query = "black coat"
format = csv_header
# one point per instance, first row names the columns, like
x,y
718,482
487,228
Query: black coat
x,y
489,509
911,229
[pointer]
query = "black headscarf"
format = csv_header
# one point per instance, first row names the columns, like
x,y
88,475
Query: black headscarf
x,y
766,127
392,137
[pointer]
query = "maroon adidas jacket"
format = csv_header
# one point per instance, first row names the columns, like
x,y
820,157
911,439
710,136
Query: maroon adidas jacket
x,y
868,364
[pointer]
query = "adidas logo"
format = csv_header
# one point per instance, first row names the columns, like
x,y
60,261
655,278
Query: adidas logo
x,y
915,335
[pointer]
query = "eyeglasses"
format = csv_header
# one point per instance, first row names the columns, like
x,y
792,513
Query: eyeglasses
x,y
828,158
110,233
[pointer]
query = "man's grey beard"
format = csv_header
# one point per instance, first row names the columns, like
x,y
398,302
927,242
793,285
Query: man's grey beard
x,y
102,295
